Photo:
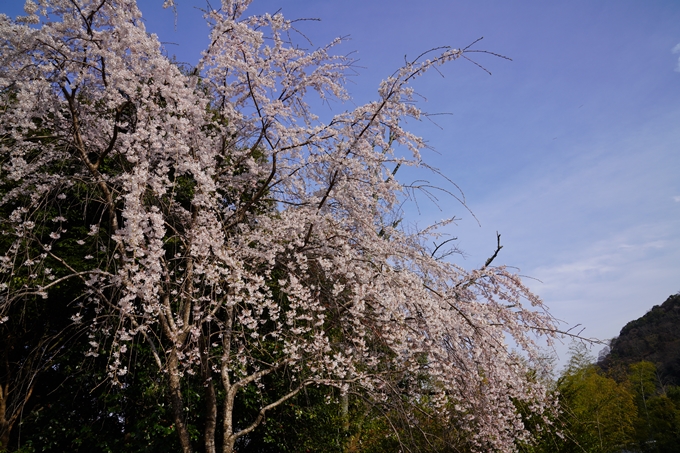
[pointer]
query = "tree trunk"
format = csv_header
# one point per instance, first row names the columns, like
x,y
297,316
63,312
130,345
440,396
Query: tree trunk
x,y
210,399
229,442
344,411
178,402
7,420
5,424
5,428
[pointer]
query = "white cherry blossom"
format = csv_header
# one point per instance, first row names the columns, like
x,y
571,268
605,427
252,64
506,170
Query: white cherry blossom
x,y
236,233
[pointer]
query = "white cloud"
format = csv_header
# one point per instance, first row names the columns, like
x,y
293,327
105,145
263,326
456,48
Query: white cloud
x,y
604,285
676,49
676,198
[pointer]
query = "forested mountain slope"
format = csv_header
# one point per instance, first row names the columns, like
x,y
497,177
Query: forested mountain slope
x,y
655,337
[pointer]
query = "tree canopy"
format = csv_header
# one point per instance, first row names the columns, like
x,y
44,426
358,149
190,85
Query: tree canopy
x,y
217,244
653,337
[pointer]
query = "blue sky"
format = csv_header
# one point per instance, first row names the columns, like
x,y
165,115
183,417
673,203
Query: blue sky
x,y
571,151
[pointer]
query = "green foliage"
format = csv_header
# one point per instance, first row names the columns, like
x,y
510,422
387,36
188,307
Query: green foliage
x,y
623,411
310,422
658,424
598,414
74,409
664,424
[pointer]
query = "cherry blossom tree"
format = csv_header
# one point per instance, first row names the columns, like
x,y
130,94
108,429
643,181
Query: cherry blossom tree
x,y
236,234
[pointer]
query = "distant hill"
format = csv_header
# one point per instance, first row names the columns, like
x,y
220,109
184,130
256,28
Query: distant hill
x,y
654,337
